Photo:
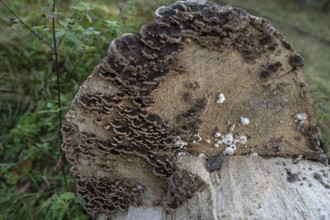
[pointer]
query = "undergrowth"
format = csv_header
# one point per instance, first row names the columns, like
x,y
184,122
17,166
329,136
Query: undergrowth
x,y
29,139
29,131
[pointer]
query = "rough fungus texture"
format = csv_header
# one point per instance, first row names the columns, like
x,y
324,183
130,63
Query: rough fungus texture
x,y
201,79
181,187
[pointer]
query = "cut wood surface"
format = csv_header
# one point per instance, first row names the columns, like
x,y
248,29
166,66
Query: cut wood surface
x,y
251,187
163,125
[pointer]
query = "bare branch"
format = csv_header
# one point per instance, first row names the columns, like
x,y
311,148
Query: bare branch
x,y
26,26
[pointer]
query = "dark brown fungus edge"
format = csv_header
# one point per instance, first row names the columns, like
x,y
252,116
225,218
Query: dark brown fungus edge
x,y
296,61
136,66
271,69
181,186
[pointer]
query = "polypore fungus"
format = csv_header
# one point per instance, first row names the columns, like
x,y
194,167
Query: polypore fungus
x,y
148,103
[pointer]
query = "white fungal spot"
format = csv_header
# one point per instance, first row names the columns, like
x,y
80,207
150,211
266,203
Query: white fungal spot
x,y
301,116
230,150
297,159
182,153
180,143
107,127
221,98
208,141
139,187
245,121
254,154
231,127
227,138
216,145
241,139
197,137
217,134
219,141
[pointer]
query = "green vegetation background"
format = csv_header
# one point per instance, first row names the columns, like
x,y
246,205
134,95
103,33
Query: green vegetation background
x,y
29,140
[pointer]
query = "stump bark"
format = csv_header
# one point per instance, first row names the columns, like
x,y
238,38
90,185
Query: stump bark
x,y
205,114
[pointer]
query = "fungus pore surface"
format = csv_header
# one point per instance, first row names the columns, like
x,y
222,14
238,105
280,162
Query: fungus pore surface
x,y
156,97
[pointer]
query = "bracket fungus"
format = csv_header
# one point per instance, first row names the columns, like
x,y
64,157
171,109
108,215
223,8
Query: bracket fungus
x,y
147,100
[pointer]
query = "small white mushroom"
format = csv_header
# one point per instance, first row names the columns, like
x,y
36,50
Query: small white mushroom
x,y
217,134
180,143
241,139
230,150
245,121
301,116
221,98
208,141
227,138
197,137
231,127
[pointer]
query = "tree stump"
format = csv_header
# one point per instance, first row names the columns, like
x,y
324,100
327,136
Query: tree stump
x,y
205,114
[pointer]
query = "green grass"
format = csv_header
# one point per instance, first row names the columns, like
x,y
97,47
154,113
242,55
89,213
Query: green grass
x,y
29,141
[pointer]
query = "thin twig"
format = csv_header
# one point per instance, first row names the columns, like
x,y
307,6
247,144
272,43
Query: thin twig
x,y
122,16
290,71
59,43
57,74
26,26
75,66
58,87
